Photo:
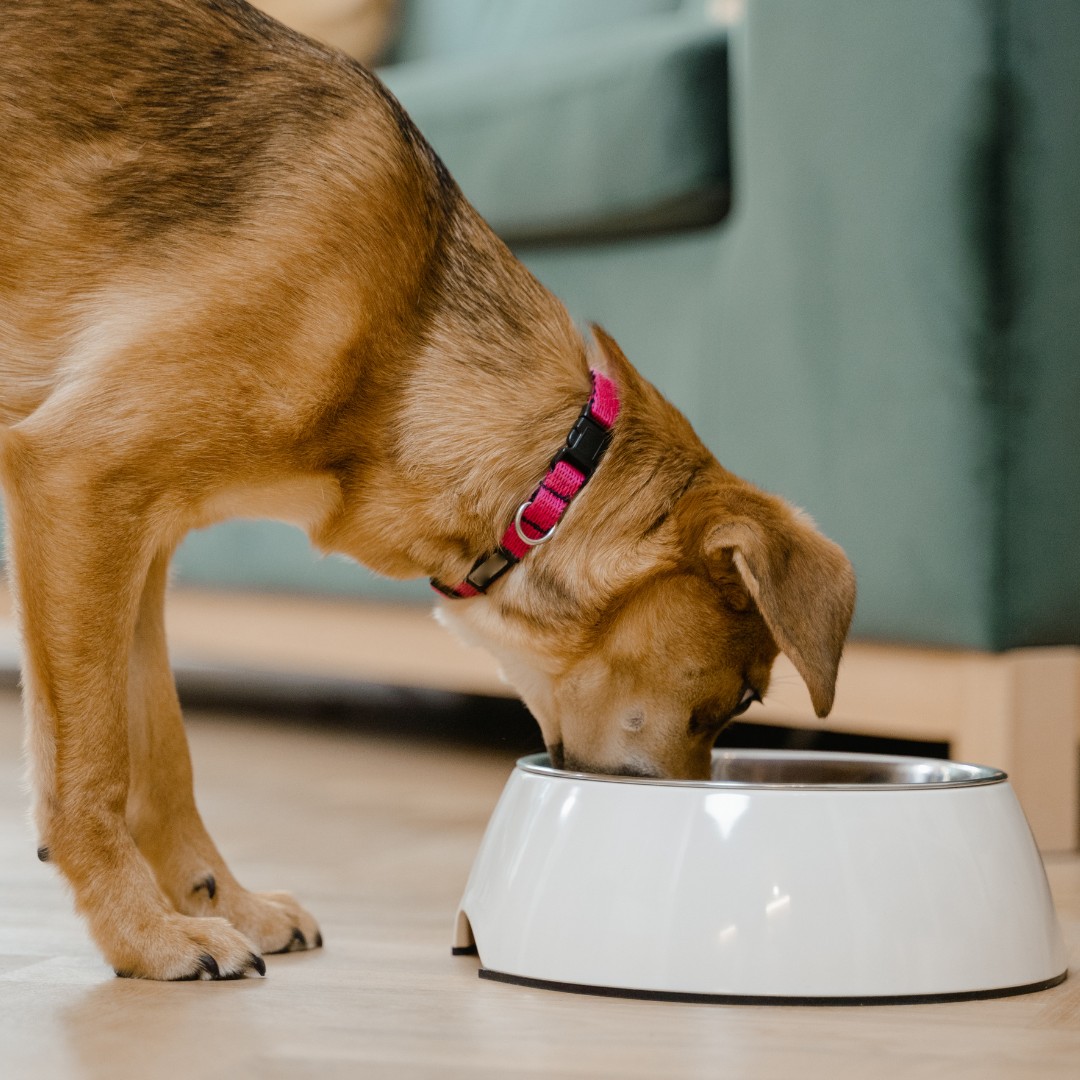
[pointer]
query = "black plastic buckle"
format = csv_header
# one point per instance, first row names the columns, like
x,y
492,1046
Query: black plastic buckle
x,y
585,445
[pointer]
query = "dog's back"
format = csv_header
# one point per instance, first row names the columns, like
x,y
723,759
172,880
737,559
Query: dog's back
x,y
149,144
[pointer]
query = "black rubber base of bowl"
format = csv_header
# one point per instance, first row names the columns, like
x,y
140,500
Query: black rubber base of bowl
x,y
750,999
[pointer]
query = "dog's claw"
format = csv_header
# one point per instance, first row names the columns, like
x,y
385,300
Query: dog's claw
x,y
209,884
43,854
318,939
209,966
295,944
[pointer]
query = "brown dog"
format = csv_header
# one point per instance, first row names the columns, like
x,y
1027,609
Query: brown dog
x,y
235,280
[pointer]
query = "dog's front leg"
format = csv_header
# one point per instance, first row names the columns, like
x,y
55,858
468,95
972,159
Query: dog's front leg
x,y
82,533
161,811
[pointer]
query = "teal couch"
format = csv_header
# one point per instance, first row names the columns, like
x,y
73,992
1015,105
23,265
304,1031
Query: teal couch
x,y
842,235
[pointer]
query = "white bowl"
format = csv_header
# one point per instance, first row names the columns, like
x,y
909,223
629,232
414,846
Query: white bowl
x,y
788,877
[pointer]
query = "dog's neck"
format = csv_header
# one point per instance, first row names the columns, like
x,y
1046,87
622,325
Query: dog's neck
x,y
538,518
497,427
618,532
495,378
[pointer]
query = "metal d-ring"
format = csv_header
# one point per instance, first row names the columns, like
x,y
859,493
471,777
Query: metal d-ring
x,y
528,539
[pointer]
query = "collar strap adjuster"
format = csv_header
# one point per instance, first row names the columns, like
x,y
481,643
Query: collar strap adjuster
x,y
538,517
485,572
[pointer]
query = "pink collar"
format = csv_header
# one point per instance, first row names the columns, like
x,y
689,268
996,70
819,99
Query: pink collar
x,y
537,517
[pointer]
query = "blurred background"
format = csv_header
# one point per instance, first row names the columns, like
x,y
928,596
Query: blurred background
x,y
843,236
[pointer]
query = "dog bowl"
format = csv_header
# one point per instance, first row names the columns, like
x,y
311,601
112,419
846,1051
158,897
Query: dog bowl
x,y
788,878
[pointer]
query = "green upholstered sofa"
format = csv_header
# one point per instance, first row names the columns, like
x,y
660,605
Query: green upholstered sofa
x,y
842,235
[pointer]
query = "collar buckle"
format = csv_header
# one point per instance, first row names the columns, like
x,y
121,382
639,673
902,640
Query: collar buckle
x,y
585,445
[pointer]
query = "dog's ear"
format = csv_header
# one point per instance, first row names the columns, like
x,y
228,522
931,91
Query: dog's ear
x,y
802,582
606,354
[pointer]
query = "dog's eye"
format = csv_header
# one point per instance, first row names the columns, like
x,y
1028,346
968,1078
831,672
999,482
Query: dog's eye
x,y
706,719
750,695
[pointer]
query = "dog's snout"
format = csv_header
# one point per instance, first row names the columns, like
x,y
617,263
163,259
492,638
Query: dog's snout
x,y
643,771
575,764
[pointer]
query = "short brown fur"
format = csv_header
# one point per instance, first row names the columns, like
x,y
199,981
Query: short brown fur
x,y
235,280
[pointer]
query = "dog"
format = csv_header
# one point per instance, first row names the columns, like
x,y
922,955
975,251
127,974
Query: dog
x,y
236,281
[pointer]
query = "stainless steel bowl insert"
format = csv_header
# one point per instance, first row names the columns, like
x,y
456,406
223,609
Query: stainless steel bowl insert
x,y
806,770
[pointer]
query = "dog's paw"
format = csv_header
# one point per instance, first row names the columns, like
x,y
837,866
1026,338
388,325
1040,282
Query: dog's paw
x,y
273,920
277,922
180,948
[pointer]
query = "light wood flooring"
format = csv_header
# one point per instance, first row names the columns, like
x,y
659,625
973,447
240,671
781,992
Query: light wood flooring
x,y
377,837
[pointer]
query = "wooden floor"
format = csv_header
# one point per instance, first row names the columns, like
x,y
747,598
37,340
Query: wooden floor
x,y
377,837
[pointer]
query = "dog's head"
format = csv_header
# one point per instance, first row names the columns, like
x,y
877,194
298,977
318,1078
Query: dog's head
x,y
655,620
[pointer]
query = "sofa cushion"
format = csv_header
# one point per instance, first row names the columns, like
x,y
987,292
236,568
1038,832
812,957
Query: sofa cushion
x,y
616,133
435,29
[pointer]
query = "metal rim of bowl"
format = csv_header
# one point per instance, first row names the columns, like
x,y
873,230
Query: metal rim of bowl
x,y
948,774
